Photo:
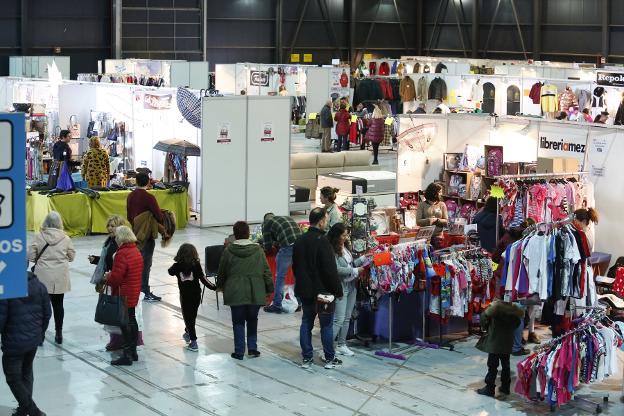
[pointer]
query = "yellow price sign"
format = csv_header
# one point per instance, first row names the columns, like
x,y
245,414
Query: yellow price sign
x,y
312,116
368,56
307,57
353,119
497,192
295,57
389,121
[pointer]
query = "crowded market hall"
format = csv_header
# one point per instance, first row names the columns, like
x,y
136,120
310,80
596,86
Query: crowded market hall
x,y
327,207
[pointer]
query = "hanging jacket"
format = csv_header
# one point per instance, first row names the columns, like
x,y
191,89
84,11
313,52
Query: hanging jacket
x,y
393,70
386,89
536,95
342,119
422,89
598,99
375,133
437,89
584,99
440,67
549,98
372,68
367,90
384,69
567,99
407,89
416,69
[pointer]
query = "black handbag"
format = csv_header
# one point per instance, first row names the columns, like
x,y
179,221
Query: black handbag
x,y
111,310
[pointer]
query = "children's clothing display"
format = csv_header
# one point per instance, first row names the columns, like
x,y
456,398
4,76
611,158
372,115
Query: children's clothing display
x,y
584,355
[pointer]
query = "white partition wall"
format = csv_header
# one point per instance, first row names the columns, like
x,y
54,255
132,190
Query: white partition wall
x,y
224,165
268,156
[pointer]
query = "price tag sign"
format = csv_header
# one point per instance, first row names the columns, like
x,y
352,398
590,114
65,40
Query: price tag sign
x,y
307,57
354,119
389,121
497,192
295,57
312,116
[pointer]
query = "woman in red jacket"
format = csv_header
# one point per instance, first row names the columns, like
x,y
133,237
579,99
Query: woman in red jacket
x,y
375,133
343,122
125,280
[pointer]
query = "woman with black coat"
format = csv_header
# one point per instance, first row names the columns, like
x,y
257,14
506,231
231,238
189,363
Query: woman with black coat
x,y
486,225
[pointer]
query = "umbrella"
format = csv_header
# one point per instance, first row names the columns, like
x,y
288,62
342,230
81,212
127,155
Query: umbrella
x,y
189,106
178,146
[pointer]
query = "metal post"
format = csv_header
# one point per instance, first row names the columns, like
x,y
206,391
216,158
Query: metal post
x,y
460,30
537,30
419,27
390,322
116,28
476,4
205,29
279,52
24,27
352,20
606,35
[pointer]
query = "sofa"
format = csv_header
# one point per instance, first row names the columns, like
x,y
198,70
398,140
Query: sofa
x,y
305,167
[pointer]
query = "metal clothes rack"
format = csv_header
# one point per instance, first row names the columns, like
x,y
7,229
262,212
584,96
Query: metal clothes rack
x,y
531,176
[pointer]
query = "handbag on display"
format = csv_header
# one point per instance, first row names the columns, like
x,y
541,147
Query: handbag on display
x,y
111,310
325,303
74,127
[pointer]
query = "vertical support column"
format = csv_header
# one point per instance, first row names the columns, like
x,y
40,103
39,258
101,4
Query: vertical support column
x,y
606,32
116,15
419,27
24,27
476,5
352,20
537,30
204,29
279,52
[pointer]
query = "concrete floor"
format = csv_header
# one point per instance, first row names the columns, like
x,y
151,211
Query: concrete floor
x,y
76,378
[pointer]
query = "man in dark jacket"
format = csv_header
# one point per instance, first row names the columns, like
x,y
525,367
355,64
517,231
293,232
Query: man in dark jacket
x,y
314,265
23,323
327,122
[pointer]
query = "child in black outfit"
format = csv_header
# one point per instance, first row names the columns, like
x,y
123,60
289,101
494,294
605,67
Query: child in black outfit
x,y
501,320
188,270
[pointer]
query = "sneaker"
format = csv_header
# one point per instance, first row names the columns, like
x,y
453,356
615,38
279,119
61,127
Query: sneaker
x,y
521,352
192,346
534,338
237,356
186,337
253,353
344,350
329,364
273,309
486,391
307,363
150,297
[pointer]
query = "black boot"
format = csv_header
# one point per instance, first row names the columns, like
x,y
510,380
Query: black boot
x,y
125,359
58,338
486,391
504,389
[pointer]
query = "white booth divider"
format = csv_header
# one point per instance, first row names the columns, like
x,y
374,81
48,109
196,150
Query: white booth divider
x,y
598,149
245,158
268,156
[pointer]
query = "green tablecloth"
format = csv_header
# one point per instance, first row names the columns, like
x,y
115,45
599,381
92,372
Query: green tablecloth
x,y
83,215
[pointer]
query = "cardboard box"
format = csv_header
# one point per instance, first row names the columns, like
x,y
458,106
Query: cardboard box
x,y
557,165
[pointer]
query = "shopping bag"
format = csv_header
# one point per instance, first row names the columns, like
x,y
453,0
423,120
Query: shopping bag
x,y
111,310
65,182
289,303
74,127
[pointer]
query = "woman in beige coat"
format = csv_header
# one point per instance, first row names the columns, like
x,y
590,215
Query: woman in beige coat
x,y
51,251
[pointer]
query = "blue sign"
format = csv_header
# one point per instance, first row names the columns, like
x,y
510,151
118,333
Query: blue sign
x,y
13,277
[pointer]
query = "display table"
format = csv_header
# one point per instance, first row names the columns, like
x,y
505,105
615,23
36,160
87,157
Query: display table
x,y
83,215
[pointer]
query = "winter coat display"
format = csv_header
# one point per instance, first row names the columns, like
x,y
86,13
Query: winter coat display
x,y
619,116
584,99
567,99
440,67
244,274
598,99
367,90
52,268
536,93
343,121
314,266
407,89
437,89
326,117
422,89
384,69
125,278
375,133
549,101
24,321
500,320
95,167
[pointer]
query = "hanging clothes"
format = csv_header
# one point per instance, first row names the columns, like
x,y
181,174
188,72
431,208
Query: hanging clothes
x,y
599,101
422,89
549,100
407,89
567,99
536,93
437,89
584,99
619,116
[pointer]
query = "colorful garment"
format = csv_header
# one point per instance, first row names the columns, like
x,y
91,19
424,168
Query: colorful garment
x,y
96,168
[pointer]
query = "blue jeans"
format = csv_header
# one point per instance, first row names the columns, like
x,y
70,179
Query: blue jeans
x,y
241,315
305,332
517,341
283,261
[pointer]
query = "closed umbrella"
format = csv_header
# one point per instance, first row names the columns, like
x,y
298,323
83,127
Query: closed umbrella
x,y
178,146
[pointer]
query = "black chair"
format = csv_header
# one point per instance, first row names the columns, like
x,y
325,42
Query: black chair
x,y
213,258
